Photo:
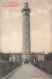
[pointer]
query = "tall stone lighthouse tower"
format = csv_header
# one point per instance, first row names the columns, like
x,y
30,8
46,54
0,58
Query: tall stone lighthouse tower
x,y
26,30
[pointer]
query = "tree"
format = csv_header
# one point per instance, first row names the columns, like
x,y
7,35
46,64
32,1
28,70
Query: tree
x,y
48,56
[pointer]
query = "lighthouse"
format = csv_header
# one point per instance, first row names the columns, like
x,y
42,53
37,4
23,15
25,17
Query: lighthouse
x,y
26,31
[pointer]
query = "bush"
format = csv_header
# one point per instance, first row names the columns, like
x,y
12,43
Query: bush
x,y
6,67
48,56
44,65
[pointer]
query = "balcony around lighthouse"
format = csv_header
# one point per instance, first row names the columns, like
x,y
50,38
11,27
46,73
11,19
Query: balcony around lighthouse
x,y
26,7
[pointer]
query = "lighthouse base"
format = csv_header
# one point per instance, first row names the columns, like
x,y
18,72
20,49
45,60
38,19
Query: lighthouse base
x,y
26,57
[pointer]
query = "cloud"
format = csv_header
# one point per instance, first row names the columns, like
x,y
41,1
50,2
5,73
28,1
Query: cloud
x,y
40,41
42,11
15,14
6,14
39,11
33,14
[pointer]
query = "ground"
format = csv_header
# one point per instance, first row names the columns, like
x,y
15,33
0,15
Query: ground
x,y
28,71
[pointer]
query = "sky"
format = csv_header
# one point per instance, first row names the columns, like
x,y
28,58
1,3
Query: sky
x,y
40,26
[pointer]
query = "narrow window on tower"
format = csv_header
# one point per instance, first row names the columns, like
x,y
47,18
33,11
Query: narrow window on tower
x,y
26,47
26,18
26,40
26,21
26,33
26,25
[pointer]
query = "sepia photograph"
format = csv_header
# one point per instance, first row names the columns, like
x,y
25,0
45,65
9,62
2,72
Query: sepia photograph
x,y
25,39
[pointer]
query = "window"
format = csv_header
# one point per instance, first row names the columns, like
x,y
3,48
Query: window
x,y
26,33
26,25
26,21
26,47
26,40
26,18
